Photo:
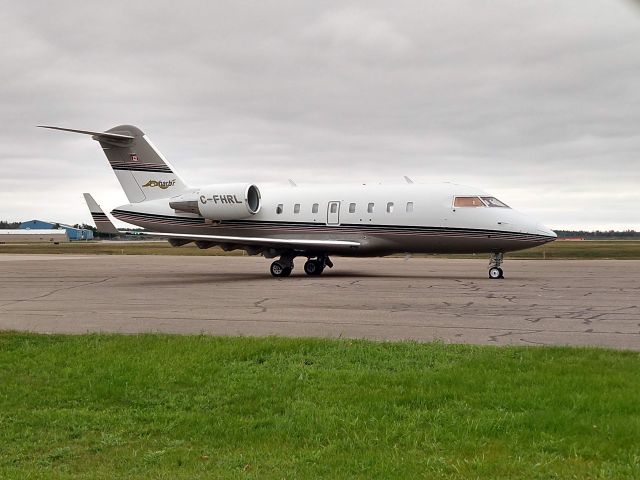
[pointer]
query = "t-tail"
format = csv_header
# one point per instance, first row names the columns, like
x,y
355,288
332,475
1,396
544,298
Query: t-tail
x,y
103,224
141,169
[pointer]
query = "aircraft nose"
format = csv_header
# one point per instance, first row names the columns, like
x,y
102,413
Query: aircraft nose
x,y
533,227
539,229
542,230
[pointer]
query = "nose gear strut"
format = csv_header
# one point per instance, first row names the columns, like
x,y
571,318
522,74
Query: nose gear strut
x,y
494,265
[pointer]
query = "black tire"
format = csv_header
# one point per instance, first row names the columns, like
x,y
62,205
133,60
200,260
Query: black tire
x,y
278,270
314,267
310,267
287,271
501,273
495,273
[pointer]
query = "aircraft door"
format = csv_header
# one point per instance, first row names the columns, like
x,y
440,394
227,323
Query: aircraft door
x,y
333,213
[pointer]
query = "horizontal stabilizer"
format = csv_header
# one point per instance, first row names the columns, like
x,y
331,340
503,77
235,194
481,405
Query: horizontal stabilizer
x,y
103,224
97,135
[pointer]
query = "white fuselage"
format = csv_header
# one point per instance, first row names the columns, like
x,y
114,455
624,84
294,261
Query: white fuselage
x,y
384,219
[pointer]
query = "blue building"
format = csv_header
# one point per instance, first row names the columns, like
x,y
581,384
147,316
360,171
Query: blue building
x,y
72,232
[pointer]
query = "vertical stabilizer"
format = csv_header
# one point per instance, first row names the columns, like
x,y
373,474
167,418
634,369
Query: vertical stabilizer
x,y
141,169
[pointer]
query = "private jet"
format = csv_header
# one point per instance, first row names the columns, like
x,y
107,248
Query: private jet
x,y
315,222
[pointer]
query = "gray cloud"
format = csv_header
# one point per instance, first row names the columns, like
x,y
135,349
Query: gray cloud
x,y
535,101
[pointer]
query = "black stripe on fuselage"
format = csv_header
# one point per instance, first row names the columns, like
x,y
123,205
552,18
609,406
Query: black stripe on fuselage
x,y
311,227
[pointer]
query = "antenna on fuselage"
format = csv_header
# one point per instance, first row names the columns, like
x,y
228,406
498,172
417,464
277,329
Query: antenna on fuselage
x,y
407,179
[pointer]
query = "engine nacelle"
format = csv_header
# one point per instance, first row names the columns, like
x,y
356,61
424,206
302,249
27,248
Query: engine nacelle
x,y
225,201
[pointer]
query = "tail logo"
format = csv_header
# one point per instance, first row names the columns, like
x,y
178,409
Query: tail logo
x,y
160,183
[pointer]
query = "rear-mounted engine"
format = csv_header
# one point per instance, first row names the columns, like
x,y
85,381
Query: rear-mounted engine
x,y
226,201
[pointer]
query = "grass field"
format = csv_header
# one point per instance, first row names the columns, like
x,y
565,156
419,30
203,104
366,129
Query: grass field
x,y
592,249
153,406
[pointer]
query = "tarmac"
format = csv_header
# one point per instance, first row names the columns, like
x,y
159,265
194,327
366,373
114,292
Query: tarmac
x,y
557,302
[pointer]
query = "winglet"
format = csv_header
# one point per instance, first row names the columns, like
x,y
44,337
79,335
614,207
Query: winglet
x,y
103,224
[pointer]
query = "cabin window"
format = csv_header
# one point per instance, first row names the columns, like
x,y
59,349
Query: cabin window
x,y
352,208
409,207
279,209
314,208
296,208
334,207
468,202
370,207
389,207
494,202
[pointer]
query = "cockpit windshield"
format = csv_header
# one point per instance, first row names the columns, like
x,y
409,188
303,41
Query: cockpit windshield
x,y
494,202
468,202
478,202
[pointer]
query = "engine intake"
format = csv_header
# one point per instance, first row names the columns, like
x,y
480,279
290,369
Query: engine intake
x,y
225,201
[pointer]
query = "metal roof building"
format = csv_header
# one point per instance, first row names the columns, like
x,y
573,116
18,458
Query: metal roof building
x,y
34,236
72,232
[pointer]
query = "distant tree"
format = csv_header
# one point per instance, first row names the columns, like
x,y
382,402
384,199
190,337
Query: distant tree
x,y
599,235
84,226
5,225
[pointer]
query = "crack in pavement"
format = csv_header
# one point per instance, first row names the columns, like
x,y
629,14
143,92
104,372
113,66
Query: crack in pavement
x,y
258,304
52,292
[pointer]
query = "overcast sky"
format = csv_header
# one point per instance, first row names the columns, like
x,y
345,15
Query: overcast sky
x,y
536,101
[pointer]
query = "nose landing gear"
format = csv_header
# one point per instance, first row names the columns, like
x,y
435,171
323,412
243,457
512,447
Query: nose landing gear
x,y
494,266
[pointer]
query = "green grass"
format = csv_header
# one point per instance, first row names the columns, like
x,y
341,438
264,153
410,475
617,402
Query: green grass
x,y
587,250
156,406
590,249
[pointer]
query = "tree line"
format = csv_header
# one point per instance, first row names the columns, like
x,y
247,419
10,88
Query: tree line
x,y
599,234
4,225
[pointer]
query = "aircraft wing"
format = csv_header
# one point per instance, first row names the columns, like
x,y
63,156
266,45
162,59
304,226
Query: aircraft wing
x,y
262,241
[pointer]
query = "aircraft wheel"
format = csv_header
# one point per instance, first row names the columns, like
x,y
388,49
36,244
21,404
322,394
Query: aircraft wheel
x,y
310,267
313,267
495,272
279,270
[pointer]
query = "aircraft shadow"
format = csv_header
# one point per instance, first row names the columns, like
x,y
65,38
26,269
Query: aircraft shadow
x,y
222,278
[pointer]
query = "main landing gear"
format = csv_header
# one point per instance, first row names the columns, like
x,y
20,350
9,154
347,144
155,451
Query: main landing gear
x,y
494,266
277,269
317,266
284,266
